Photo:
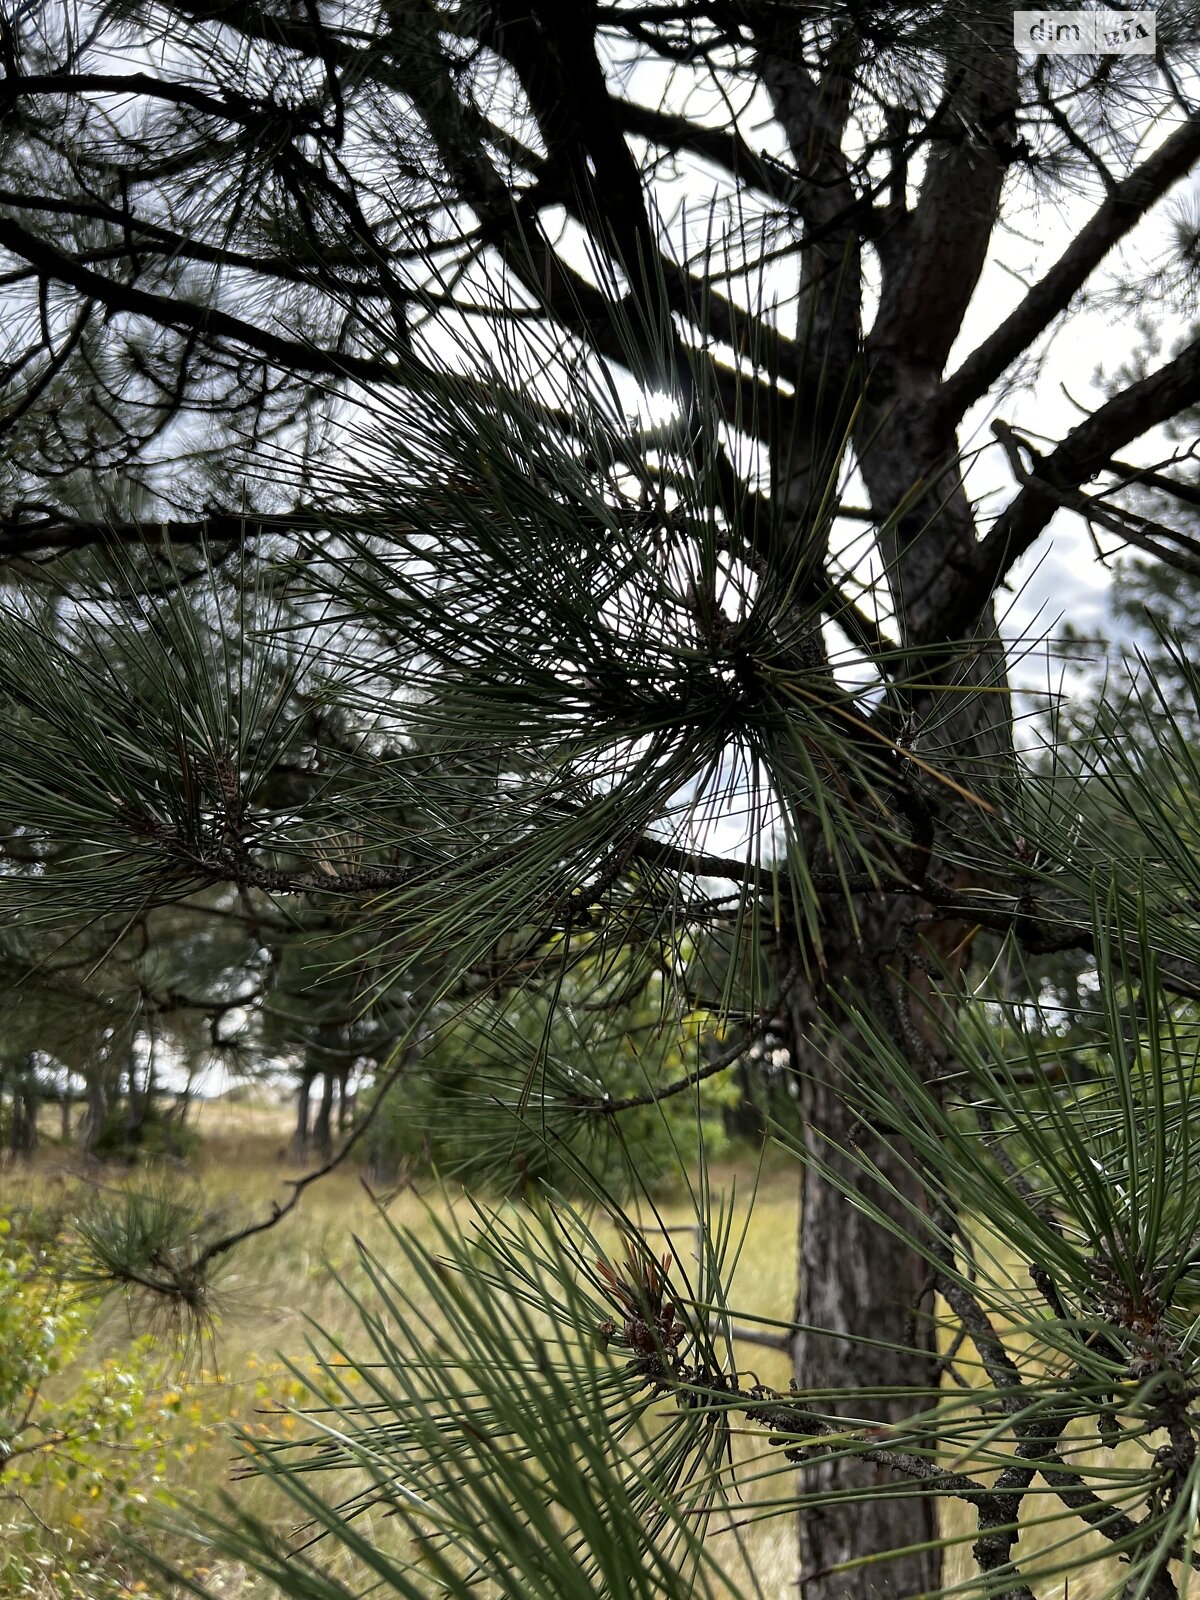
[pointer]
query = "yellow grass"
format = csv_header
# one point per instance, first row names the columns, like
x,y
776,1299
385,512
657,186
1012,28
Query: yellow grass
x,y
281,1282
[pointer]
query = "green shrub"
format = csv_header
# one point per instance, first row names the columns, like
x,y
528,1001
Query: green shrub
x,y
88,1444
509,1095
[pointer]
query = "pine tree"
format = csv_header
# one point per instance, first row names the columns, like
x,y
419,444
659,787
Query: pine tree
x,y
609,686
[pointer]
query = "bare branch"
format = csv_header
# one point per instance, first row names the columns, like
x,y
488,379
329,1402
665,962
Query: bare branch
x,y
606,1106
1169,545
1118,214
293,355
1080,457
50,531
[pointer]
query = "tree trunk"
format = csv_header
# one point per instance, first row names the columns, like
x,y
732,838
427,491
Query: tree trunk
x,y
95,1110
864,1305
323,1126
747,1119
14,1111
11,1080
300,1137
858,1282
138,1103
25,1111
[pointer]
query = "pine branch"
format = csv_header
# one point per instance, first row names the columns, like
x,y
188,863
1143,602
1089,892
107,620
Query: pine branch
x,y
932,269
1118,214
50,531
1080,457
723,147
607,1106
1169,545
1187,494
807,1437
1038,1427
211,323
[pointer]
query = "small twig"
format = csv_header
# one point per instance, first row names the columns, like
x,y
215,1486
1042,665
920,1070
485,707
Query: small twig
x,y
604,1105
1145,534
757,1336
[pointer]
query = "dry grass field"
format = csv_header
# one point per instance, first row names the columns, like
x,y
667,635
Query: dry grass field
x,y
283,1284
282,1287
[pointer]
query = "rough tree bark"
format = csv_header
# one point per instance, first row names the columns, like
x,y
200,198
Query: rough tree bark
x,y
856,1284
859,1299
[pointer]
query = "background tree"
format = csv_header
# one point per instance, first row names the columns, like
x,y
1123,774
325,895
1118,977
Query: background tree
x,y
763,223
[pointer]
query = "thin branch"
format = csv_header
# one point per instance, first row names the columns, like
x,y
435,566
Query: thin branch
x,y
51,530
292,355
1118,214
1081,455
1143,533
605,1105
1187,493
809,1437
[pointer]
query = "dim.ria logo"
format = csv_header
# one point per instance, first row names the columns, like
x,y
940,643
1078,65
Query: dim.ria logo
x,y
1084,33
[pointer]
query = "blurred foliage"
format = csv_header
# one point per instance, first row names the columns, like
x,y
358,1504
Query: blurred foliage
x,y
513,1091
